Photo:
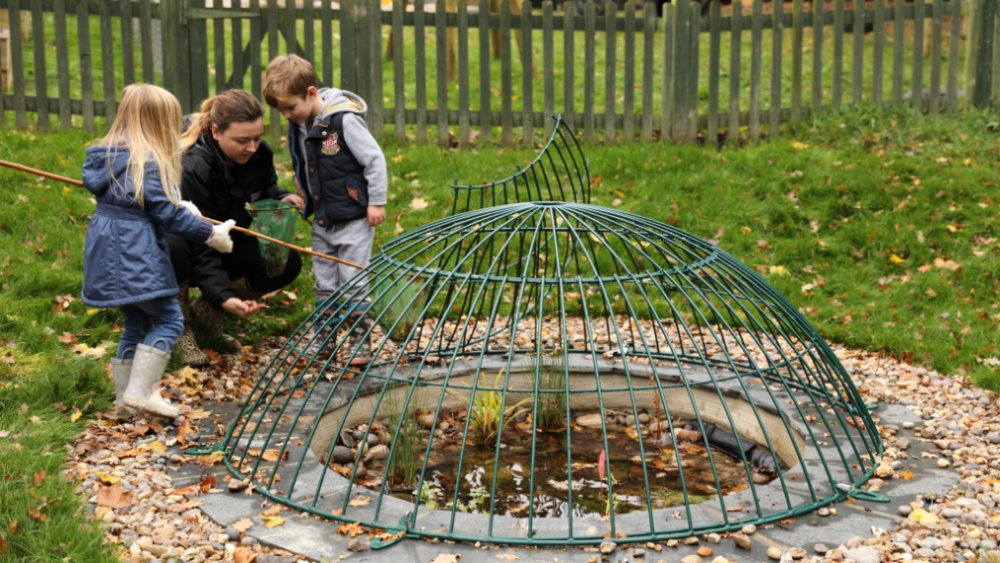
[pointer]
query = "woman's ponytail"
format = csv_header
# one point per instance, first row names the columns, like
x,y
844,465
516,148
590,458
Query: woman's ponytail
x,y
231,106
202,124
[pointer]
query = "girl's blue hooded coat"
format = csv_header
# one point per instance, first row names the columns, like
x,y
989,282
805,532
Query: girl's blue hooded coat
x,y
126,257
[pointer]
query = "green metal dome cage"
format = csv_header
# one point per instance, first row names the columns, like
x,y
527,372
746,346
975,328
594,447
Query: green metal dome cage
x,y
554,373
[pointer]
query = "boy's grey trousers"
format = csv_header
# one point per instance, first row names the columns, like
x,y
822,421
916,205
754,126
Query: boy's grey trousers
x,y
351,241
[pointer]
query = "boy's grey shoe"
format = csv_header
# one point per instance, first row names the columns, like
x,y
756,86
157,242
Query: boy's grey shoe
x,y
142,392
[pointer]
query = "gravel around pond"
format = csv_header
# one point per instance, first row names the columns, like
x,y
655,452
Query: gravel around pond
x,y
121,462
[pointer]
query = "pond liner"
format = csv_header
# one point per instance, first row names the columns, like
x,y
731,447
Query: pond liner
x,y
756,456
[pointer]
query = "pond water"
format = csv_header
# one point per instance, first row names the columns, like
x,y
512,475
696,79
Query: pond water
x,y
552,474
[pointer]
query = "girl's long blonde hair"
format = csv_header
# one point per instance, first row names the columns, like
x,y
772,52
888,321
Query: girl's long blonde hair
x,y
149,123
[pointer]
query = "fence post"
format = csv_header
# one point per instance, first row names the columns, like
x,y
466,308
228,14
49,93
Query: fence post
x,y
985,21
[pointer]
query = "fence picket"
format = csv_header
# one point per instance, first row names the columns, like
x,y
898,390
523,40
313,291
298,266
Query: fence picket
x,y
219,38
236,39
362,50
527,76
441,40
548,65
878,53
694,48
797,25
817,49
326,38
127,48
86,64
628,82
714,47
858,59
837,93
682,37
463,73
485,97
41,79
954,36
917,93
777,33
569,63
107,62
611,44
589,33
938,15
62,64
198,38
289,30
971,39
736,39
398,77
506,87
898,49
146,39
255,48
666,91
347,44
374,48
648,36
308,32
756,41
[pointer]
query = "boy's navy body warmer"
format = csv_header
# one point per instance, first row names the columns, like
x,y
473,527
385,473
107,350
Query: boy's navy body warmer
x,y
343,193
339,167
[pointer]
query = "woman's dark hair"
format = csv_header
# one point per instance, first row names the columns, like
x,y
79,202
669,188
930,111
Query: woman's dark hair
x,y
231,106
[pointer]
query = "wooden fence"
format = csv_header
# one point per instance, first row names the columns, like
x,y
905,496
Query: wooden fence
x,y
626,74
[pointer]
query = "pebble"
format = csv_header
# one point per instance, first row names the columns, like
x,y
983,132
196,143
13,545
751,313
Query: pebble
x,y
951,513
908,425
235,485
820,549
713,538
692,559
862,554
993,438
942,463
691,541
357,544
248,541
638,552
342,455
592,420
742,541
905,510
760,479
608,547
705,551
774,553
593,531
797,553
749,529
823,511
347,440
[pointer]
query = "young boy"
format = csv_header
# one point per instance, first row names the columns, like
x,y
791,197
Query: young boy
x,y
340,172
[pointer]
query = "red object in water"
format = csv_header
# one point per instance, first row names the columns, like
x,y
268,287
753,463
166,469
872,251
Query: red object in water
x,y
602,464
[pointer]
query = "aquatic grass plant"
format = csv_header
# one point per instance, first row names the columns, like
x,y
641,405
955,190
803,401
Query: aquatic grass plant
x,y
486,411
405,463
550,411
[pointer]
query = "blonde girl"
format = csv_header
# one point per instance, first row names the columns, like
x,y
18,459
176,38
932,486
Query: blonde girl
x,y
134,176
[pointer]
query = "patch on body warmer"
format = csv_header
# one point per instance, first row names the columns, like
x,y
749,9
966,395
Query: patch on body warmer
x,y
330,146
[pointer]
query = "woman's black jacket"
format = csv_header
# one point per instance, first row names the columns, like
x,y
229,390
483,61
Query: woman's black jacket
x,y
221,189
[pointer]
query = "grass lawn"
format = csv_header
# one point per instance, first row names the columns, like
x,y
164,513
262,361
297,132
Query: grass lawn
x,y
879,226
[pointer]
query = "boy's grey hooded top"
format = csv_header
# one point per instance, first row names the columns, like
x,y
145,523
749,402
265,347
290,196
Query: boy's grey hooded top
x,y
338,164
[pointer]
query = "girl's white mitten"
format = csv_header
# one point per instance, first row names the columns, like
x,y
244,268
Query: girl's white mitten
x,y
220,239
191,207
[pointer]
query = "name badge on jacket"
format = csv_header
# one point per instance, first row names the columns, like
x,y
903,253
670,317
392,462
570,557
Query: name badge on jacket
x,y
330,146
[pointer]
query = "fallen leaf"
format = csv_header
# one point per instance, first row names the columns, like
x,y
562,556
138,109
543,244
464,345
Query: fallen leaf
x,y
446,558
947,264
399,229
269,455
114,497
243,525
921,516
39,477
67,338
243,554
418,203
13,528
895,259
778,270
507,556
77,413
352,529
158,446
107,478
905,475
930,292
360,501
272,521
183,430
211,459
272,511
213,355
37,514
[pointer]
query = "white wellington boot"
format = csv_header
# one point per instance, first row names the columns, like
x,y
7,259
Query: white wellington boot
x,y
142,392
120,371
